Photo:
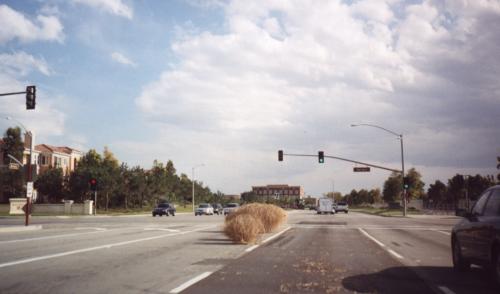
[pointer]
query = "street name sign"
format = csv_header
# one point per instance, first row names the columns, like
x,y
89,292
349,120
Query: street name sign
x,y
361,169
29,189
13,166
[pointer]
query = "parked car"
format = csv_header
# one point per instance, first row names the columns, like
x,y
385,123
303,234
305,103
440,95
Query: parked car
x,y
230,207
164,209
204,208
325,205
476,238
218,209
342,207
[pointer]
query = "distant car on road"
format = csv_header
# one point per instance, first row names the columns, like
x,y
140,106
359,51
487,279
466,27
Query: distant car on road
x,y
204,208
325,205
218,209
230,208
164,209
476,238
342,207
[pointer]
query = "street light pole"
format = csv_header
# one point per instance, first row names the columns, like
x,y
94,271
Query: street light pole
x,y
400,137
30,175
192,176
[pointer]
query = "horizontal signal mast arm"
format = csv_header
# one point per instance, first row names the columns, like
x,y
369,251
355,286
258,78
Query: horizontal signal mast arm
x,y
345,159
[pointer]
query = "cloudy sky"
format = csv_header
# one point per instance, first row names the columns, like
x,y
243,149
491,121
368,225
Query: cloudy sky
x,y
228,83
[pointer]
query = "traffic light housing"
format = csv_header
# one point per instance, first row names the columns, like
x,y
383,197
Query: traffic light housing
x,y
93,184
30,97
321,157
406,182
280,155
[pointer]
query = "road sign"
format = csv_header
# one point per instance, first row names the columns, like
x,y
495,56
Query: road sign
x,y
14,166
361,169
29,189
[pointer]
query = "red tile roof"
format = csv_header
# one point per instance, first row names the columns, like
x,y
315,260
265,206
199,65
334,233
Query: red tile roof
x,y
49,148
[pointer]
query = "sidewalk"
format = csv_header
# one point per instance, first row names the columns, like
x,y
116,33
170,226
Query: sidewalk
x,y
19,228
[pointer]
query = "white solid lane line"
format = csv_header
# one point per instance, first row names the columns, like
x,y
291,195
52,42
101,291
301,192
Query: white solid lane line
x,y
371,238
397,255
251,248
106,246
392,252
446,290
443,232
161,229
190,282
275,235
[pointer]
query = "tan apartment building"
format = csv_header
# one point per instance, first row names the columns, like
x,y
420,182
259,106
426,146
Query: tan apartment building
x,y
64,157
47,156
278,191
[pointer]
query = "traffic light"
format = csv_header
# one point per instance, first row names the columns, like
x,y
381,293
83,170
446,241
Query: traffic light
x,y
321,157
280,155
30,97
93,184
406,182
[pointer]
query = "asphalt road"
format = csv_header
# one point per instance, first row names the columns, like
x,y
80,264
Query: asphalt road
x,y
343,253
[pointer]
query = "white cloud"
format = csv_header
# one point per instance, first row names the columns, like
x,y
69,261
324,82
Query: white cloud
x,y
21,64
14,25
116,7
48,118
120,58
295,75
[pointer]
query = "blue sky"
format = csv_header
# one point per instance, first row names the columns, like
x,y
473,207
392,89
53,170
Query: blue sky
x,y
228,83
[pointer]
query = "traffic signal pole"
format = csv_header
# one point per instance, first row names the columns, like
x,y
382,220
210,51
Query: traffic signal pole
x,y
403,175
30,96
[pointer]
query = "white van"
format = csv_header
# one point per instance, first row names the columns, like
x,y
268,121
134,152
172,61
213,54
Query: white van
x,y
325,205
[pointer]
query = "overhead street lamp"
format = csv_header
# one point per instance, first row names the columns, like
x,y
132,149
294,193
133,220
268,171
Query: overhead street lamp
x,y
400,137
192,176
30,174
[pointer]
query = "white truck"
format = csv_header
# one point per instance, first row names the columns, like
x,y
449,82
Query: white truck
x,y
325,205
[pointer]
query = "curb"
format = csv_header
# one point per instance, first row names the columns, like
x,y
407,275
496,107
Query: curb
x,y
9,229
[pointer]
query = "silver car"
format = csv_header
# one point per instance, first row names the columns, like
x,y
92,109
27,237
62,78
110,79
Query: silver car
x,y
342,206
204,208
230,207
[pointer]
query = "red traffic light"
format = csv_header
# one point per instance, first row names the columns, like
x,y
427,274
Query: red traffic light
x,y
93,184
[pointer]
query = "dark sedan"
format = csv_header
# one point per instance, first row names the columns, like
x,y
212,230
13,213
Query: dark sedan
x,y
476,238
164,209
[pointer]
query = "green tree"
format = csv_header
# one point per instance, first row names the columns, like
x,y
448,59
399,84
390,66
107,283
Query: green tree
x,y
498,167
416,190
455,188
108,176
437,192
88,167
50,184
12,181
392,188
477,184
375,196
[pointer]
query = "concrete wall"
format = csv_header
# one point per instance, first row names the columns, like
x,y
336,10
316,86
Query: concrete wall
x,y
68,207
48,208
416,203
